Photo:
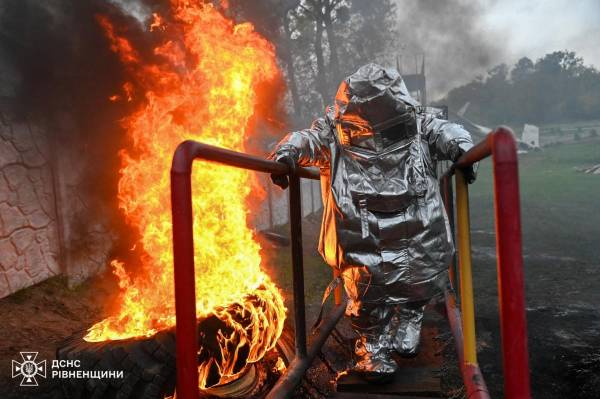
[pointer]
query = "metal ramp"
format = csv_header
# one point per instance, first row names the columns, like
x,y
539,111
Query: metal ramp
x,y
407,383
419,377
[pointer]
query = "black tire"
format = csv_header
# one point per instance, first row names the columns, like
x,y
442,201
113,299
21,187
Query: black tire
x,y
148,365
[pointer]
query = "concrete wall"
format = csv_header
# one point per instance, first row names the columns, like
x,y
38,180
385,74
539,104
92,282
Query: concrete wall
x,y
48,225
29,235
87,239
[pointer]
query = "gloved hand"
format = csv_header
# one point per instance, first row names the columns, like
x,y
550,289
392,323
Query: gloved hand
x,y
282,180
470,173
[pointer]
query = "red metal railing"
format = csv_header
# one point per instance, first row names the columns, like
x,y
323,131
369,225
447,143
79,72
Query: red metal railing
x,y
183,254
501,145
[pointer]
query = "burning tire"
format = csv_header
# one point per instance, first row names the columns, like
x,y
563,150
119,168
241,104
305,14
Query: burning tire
x,y
148,366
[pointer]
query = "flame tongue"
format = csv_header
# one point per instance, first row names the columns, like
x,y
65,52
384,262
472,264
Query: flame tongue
x,y
203,89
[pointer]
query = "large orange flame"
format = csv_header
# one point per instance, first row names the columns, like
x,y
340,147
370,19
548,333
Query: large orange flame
x,y
204,88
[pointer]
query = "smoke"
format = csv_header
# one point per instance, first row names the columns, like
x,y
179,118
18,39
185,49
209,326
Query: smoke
x,y
451,34
57,72
57,55
526,30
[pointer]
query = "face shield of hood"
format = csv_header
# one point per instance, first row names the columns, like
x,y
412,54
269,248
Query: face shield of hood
x,y
374,110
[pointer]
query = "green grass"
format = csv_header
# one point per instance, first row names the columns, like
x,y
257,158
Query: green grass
x,y
569,126
560,207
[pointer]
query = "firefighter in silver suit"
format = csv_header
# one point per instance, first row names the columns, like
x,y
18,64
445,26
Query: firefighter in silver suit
x,y
384,224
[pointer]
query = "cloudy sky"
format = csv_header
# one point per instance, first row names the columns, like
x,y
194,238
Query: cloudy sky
x,y
536,27
465,38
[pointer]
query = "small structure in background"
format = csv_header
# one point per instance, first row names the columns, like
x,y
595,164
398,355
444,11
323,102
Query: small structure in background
x,y
416,83
530,139
531,136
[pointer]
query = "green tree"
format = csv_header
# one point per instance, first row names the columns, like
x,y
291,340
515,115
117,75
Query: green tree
x,y
557,87
319,42
522,70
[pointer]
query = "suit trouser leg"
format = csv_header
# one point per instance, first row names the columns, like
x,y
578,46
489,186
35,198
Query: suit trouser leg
x,y
407,321
373,324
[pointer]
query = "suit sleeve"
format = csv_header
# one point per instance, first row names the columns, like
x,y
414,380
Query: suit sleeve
x,y
308,147
446,139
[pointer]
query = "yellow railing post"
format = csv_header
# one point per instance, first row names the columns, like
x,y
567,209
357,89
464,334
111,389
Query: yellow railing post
x,y
464,261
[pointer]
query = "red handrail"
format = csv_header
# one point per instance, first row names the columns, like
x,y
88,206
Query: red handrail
x,y
186,336
513,325
183,250
500,144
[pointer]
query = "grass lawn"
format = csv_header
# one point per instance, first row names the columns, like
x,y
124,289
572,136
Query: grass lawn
x,y
560,207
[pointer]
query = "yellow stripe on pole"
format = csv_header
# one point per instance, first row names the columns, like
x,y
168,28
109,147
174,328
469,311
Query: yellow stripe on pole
x,y
464,261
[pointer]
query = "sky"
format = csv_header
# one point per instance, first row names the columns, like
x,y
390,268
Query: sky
x,y
536,27
462,39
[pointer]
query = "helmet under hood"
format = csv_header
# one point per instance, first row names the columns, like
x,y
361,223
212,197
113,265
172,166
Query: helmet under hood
x,y
373,109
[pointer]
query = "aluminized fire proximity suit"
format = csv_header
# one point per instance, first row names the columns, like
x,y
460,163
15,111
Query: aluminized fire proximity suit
x,y
384,225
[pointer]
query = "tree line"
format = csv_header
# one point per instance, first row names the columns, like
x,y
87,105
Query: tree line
x,y
556,88
318,43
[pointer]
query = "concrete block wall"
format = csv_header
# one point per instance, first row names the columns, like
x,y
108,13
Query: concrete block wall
x,y
48,224
87,239
29,232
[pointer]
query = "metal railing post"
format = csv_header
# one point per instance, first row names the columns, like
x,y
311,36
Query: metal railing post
x,y
465,274
297,265
186,339
270,204
511,287
472,377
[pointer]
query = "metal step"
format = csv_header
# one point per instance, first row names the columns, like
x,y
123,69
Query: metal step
x,y
418,377
406,383
377,396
